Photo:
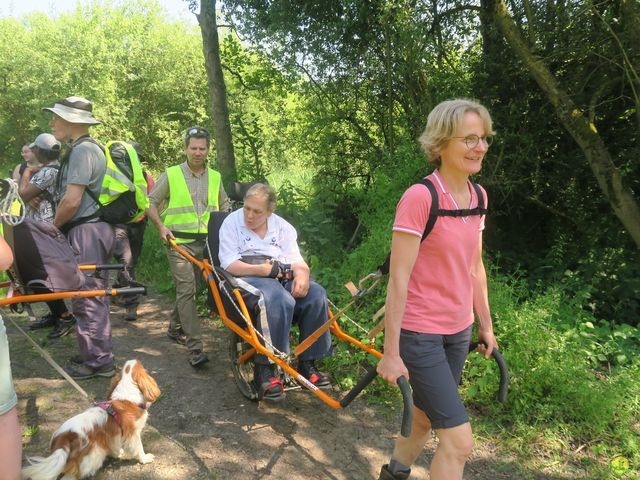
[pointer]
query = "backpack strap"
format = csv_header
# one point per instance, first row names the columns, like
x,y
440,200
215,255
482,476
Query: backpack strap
x,y
480,209
64,165
435,211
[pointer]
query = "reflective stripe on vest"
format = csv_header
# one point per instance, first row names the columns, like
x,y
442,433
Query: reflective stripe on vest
x,y
180,214
115,182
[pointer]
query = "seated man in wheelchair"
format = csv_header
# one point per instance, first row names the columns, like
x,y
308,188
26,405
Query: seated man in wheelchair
x,y
260,248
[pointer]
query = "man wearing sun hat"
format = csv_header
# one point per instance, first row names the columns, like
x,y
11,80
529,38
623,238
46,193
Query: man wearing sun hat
x,y
82,169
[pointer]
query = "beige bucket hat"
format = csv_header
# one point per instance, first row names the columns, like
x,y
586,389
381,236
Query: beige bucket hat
x,y
74,110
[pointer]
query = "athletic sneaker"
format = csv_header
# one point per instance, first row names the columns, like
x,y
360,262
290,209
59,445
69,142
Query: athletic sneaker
x,y
83,372
309,371
267,383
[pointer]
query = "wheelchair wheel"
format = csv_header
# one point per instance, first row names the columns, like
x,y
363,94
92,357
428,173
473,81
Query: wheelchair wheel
x,y
242,367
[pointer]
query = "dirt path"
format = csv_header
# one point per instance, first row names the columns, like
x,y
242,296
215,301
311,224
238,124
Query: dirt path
x,y
203,428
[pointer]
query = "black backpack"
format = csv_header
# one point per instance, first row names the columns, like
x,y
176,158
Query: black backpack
x,y
435,212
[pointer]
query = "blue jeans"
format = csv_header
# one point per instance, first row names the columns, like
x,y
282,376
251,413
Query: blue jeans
x,y
283,310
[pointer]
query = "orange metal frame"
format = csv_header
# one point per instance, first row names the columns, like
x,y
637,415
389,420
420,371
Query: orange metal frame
x,y
19,297
249,335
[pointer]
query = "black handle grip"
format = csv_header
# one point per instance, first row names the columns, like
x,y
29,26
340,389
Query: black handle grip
x,y
407,398
355,391
110,266
129,290
407,411
504,371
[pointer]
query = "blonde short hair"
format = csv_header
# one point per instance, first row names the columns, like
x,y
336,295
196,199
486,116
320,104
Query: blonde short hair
x,y
265,191
443,122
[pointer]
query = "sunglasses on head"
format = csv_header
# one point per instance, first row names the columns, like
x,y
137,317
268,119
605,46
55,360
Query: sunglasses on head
x,y
197,132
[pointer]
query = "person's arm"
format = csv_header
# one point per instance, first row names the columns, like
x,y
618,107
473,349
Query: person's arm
x,y
28,190
6,255
301,279
230,252
481,304
158,196
69,204
291,254
154,216
239,268
404,252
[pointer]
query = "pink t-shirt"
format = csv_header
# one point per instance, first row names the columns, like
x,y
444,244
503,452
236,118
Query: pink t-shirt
x,y
440,294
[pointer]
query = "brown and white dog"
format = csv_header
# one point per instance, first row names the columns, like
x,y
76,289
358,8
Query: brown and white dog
x,y
81,444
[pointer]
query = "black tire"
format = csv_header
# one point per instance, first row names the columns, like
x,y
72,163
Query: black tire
x,y
242,373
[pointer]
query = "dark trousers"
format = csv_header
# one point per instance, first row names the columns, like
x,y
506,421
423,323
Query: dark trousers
x,y
94,243
57,307
129,239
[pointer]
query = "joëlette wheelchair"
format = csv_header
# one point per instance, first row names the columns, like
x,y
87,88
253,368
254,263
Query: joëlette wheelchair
x,y
237,311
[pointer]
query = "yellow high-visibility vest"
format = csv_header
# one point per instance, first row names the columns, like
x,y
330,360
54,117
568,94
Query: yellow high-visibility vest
x,y
180,216
115,182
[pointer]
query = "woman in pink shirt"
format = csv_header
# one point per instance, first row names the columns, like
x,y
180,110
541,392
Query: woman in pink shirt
x,y
435,286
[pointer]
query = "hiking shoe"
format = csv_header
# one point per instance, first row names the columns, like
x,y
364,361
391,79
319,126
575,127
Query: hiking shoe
x,y
64,327
197,358
76,359
385,474
49,320
83,372
309,371
267,383
179,337
132,313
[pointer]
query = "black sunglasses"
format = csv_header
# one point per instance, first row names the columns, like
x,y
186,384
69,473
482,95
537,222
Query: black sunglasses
x,y
197,132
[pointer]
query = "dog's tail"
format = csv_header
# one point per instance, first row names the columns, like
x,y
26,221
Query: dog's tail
x,y
46,468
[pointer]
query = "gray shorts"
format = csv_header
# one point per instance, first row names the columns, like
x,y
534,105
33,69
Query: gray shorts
x,y
435,365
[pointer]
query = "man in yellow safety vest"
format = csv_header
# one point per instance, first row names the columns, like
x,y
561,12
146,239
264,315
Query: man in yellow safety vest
x,y
180,204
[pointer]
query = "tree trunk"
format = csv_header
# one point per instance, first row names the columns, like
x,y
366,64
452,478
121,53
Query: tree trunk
x,y
583,132
211,48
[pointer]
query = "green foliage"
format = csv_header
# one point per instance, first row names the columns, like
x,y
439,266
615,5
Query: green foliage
x,y
153,265
555,356
326,100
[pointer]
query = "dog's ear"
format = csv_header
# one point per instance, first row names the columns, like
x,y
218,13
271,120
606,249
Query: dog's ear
x,y
114,383
145,382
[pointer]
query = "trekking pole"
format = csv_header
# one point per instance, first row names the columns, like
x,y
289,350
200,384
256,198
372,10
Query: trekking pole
x,y
51,361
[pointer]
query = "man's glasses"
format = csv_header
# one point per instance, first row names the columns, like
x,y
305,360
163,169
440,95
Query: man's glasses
x,y
197,132
472,141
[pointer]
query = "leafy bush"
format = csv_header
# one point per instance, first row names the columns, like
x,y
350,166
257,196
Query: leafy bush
x,y
153,265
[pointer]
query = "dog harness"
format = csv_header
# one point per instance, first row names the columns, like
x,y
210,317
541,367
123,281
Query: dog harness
x,y
108,407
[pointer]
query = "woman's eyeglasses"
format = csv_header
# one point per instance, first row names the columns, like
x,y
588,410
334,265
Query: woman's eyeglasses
x,y
472,141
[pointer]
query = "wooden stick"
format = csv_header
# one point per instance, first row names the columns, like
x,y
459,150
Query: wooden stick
x,y
380,326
